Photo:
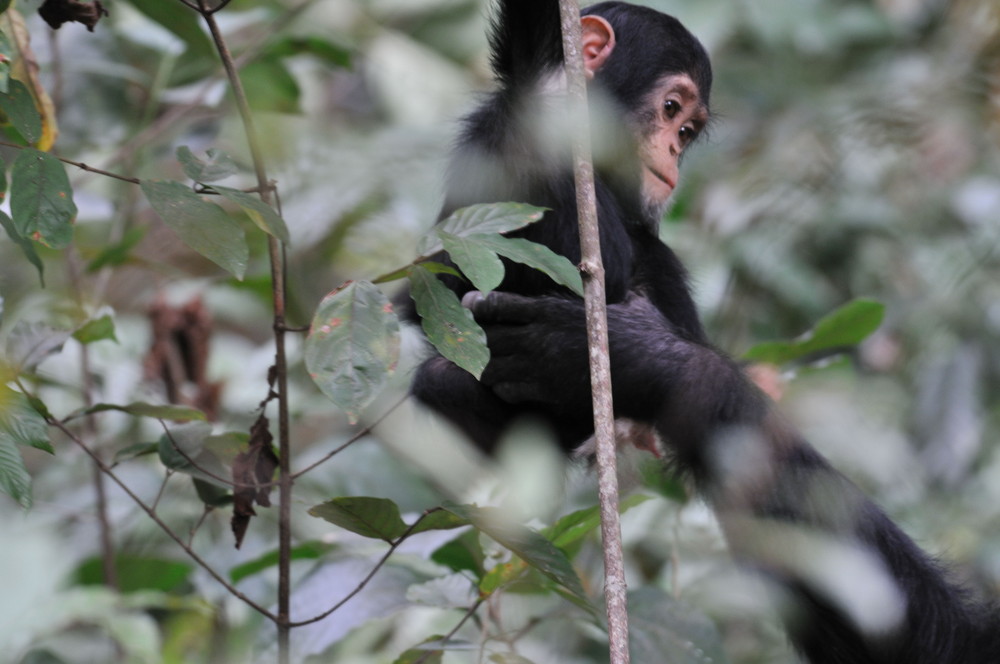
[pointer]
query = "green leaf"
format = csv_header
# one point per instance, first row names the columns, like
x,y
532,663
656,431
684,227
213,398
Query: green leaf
x,y
840,330
98,329
528,545
369,517
212,495
557,267
480,219
203,226
142,409
14,478
478,263
447,324
135,450
41,199
218,166
509,658
136,573
438,520
259,212
270,87
464,553
19,107
184,24
5,5
6,55
306,551
185,449
353,346
576,525
27,247
21,423
429,652
310,45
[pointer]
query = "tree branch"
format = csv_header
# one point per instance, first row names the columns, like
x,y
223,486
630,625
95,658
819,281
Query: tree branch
x,y
597,335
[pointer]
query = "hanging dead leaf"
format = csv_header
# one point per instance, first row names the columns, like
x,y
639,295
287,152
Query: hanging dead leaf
x,y
253,471
57,12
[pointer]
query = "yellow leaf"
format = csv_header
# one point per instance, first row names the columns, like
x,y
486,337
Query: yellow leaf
x,y
25,69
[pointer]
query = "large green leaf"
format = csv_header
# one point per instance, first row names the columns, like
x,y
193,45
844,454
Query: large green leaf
x,y
41,199
97,329
270,86
353,346
840,330
136,573
142,409
557,267
369,517
527,544
477,262
203,226
482,218
20,425
447,324
306,551
259,212
19,107
26,246
576,525
14,478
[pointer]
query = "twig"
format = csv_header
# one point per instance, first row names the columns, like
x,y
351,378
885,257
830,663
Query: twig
x,y
159,522
277,256
364,582
597,336
163,487
79,165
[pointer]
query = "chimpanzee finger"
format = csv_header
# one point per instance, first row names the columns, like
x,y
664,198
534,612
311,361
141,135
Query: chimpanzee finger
x,y
504,308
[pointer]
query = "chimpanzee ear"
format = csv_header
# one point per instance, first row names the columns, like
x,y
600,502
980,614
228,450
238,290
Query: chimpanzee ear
x,y
598,42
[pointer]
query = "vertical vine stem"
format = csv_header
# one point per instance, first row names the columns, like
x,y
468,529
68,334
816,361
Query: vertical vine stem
x,y
277,257
592,268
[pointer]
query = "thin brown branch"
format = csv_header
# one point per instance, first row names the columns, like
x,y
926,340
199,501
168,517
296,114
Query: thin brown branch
x,y
276,252
364,582
151,513
79,165
350,441
597,336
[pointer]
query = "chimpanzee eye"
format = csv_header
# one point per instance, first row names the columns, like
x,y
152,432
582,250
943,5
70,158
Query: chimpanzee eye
x,y
688,134
671,108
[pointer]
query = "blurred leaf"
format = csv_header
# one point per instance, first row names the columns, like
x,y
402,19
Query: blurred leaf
x,y
477,262
14,478
447,324
259,212
118,254
136,573
141,409
184,24
840,330
6,54
320,47
306,551
270,87
426,653
19,108
464,553
528,545
509,658
481,219
203,226
96,330
369,517
25,69
135,450
662,629
211,494
27,247
576,525
41,199
218,166
438,520
537,256
30,343
353,346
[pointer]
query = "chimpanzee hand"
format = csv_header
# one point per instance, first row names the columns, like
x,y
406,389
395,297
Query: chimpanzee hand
x,y
538,349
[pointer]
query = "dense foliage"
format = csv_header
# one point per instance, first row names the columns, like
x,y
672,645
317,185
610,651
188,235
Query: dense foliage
x,y
854,158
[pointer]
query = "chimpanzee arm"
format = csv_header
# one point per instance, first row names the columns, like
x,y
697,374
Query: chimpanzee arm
x,y
862,591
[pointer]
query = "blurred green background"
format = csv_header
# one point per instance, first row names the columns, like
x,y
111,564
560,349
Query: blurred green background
x,y
855,153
